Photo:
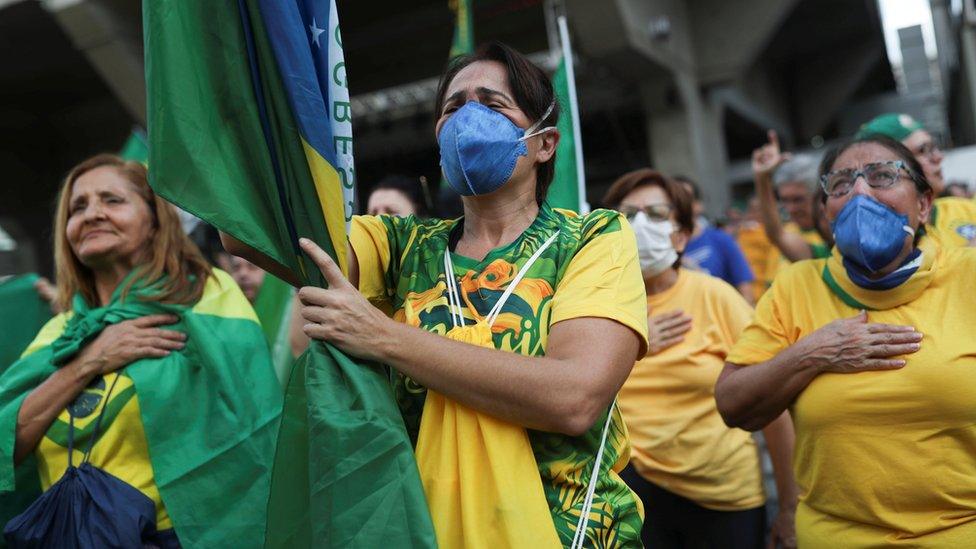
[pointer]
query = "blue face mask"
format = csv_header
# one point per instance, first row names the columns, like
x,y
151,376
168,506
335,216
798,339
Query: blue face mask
x,y
869,234
479,148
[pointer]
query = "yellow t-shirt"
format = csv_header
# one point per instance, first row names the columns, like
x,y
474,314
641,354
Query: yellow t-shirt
x,y
678,440
953,221
883,458
590,270
121,449
763,257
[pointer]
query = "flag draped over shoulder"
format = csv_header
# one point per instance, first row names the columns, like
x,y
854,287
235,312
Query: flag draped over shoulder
x,y
250,130
209,411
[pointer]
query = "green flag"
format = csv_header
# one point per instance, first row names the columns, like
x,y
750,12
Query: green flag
x,y
135,147
21,317
209,411
463,28
568,187
273,306
250,129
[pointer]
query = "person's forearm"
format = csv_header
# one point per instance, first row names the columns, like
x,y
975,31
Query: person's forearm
x,y
240,249
792,246
767,208
543,393
780,437
751,397
745,289
43,405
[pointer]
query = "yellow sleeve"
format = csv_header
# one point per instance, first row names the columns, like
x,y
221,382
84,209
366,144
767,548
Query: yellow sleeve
x,y
604,280
47,334
370,241
766,336
379,242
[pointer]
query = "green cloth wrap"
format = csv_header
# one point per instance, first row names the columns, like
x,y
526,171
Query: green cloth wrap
x,y
210,414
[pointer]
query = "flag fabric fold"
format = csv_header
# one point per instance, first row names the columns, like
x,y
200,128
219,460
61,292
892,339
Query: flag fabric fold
x,y
250,130
568,189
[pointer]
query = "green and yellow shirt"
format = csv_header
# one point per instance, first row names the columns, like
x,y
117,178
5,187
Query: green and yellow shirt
x,y
591,270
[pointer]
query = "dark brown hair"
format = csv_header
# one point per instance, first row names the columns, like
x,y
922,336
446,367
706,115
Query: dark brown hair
x,y
680,198
915,171
532,90
171,253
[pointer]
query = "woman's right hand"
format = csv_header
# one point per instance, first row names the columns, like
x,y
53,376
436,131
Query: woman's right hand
x,y
122,344
767,158
851,345
666,330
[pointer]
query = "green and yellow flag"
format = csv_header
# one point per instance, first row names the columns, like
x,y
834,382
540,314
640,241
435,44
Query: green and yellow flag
x,y
250,129
463,28
209,412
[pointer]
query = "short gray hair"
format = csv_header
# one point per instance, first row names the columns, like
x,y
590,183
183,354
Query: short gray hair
x,y
802,168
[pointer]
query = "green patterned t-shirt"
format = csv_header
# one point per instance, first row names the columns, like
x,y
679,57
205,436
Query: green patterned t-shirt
x,y
591,270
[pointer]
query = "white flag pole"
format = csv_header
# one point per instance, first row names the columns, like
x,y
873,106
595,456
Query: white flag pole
x,y
584,207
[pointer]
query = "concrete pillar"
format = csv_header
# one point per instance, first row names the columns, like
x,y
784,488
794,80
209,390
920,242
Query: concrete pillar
x,y
688,138
113,46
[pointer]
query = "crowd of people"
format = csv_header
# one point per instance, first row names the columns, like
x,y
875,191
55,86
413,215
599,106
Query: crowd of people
x,y
601,371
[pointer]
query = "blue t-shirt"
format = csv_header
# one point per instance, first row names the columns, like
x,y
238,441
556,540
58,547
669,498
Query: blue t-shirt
x,y
719,255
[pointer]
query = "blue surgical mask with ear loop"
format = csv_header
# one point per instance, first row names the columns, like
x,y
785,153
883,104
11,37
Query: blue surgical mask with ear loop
x,y
869,234
480,146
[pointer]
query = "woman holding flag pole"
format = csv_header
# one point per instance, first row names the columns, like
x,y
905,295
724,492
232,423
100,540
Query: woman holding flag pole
x,y
511,329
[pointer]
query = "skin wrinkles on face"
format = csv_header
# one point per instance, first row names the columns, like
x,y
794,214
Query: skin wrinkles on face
x,y
486,82
109,223
901,197
931,163
797,199
653,195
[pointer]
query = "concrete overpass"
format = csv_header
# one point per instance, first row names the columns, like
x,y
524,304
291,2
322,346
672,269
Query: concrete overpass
x,y
687,86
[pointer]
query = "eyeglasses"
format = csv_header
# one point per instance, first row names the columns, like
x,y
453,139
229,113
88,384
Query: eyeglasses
x,y
878,175
929,148
656,212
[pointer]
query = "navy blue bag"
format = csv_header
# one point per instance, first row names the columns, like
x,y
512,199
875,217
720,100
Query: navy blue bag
x,y
86,509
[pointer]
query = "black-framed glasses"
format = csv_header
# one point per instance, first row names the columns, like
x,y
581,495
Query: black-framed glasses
x,y
656,212
878,175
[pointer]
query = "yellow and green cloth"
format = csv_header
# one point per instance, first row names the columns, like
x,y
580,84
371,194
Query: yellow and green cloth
x,y
591,270
194,431
882,458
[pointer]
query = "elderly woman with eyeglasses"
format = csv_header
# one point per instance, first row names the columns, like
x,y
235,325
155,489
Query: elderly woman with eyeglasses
x,y
700,480
953,219
872,352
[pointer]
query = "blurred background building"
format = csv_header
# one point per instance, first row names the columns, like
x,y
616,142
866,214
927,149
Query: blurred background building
x,y
687,86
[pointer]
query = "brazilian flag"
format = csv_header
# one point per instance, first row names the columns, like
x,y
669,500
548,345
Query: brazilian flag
x,y
209,412
250,129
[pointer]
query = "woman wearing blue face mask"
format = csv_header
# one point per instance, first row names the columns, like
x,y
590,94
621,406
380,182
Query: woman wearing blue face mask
x,y
872,352
510,330
700,480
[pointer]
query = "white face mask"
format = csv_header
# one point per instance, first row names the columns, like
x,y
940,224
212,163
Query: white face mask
x,y
654,247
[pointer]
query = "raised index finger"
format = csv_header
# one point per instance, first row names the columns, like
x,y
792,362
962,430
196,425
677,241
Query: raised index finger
x,y
332,273
773,138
